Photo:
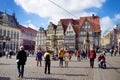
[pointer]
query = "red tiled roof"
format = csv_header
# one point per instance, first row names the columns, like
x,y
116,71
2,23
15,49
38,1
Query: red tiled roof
x,y
65,23
22,27
27,29
77,23
93,20
32,30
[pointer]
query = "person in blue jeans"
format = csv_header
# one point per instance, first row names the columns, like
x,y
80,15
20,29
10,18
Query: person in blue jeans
x,y
39,57
21,59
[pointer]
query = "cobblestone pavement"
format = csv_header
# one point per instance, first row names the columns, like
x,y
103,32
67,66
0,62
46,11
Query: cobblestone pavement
x,y
75,71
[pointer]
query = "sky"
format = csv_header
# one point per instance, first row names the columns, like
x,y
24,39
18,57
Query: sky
x,y
38,13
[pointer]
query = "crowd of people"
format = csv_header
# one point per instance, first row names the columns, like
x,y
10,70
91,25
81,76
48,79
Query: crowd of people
x,y
63,56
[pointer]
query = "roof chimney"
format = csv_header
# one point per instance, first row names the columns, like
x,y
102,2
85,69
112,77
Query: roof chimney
x,y
93,16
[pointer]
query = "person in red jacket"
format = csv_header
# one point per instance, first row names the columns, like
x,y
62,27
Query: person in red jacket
x,y
92,56
78,55
101,57
102,61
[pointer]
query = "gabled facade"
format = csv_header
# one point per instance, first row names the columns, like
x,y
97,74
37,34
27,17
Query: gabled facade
x,y
51,39
92,24
70,37
40,39
59,36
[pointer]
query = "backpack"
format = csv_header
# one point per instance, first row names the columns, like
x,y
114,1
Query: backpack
x,y
39,54
47,59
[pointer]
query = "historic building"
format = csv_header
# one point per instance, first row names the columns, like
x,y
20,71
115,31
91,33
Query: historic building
x,y
118,38
9,32
111,39
40,39
105,40
51,36
59,35
69,33
91,24
27,38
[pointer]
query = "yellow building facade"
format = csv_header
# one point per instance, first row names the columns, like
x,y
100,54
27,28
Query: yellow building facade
x,y
105,40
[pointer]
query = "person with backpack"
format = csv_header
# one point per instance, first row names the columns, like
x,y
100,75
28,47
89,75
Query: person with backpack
x,y
47,57
92,56
39,57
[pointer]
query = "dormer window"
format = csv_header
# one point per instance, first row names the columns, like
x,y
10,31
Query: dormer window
x,y
5,17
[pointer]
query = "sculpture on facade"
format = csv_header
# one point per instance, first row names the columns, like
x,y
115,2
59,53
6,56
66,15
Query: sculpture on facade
x,y
86,45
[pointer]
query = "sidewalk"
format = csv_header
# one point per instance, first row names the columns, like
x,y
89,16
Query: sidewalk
x,y
75,71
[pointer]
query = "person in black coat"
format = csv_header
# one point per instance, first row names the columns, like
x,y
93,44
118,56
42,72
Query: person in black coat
x,y
21,59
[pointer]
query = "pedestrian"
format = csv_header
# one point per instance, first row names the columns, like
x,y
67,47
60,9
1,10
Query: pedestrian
x,y
10,54
115,51
47,57
111,52
60,56
92,56
66,58
21,59
78,55
83,54
7,54
39,57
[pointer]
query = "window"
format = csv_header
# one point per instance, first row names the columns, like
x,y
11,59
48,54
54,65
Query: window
x,y
14,35
61,37
8,33
11,34
90,32
17,35
4,33
69,27
86,22
0,32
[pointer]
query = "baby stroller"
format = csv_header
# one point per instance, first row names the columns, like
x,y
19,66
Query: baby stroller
x,y
101,61
102,64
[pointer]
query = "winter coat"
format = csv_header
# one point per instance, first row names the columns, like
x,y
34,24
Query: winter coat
x,y
21,57
92,54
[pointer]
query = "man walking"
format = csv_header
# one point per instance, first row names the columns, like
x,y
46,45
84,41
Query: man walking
x,y
21,59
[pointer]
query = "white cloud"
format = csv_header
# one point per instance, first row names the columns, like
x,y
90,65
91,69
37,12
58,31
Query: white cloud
x,y
106,24
31,25
45,8
117,17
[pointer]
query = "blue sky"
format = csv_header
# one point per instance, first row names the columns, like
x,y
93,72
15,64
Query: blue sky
x,y
38,13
